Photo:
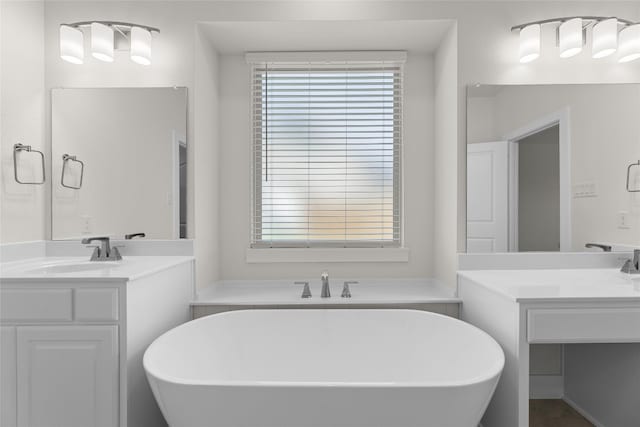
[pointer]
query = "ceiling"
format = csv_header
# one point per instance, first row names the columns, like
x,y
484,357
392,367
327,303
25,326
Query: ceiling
x,y
240,37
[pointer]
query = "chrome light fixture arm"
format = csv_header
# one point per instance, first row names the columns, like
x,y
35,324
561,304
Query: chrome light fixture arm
x,y
590,20
123,28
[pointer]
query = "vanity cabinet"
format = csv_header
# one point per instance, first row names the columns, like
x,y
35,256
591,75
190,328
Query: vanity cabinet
x,y
67,375
8,364
72,347
597,307
59,367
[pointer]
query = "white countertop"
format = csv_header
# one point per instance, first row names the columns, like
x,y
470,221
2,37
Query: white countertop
x,y
368,291
65,268
558,285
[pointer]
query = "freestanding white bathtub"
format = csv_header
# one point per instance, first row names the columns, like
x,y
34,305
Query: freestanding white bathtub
x,y
324,368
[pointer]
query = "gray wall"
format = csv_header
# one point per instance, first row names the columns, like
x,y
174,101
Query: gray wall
x,y
539,192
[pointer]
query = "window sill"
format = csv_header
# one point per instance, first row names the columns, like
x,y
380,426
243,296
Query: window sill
x,y
273,255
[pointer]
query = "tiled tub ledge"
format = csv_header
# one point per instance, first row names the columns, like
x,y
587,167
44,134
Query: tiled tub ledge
x,y
418,294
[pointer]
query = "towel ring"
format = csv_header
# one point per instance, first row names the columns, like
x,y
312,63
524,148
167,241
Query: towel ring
x,y
637,190
20,147
65,159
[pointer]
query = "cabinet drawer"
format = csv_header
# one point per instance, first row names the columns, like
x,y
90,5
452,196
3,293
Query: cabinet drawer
x,y
96,304
36,305
583,325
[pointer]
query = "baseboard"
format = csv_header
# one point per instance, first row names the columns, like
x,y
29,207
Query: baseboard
x,y
582,412
546,387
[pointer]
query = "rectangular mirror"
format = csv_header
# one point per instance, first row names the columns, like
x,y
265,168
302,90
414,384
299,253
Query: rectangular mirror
x,y
548,165
118,162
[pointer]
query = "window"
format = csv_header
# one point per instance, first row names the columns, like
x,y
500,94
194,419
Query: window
x,y
327,140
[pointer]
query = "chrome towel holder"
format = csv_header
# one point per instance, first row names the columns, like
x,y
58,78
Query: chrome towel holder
x,y
21,147
636,190
66,158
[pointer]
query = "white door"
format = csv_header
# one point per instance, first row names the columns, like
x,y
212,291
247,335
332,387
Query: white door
x,y
67,376
8,376
487,197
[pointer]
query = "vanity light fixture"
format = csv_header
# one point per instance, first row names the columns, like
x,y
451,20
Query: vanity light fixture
x,y
106,38
608,35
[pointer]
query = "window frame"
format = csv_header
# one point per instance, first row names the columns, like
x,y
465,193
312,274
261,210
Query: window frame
x,y
311,59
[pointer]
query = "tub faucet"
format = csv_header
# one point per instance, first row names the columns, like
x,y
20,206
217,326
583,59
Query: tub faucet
x,y
104,252
326,292
632,266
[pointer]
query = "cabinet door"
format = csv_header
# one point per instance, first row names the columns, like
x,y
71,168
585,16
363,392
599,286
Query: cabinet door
x,y
67,376
8,376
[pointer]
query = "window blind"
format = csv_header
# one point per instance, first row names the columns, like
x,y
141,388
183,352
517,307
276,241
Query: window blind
x,y
327,141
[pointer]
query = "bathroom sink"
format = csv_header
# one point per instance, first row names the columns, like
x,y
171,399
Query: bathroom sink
x,y
74,267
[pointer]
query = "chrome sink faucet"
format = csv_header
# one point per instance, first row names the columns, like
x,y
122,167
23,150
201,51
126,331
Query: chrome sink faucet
x,y
326,292
605,248
632,266
104,252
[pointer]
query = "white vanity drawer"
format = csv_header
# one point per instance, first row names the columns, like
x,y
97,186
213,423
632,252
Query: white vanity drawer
x,y
96,304
583,325
36,305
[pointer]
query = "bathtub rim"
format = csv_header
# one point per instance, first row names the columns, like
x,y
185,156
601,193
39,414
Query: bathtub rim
x,y
326,384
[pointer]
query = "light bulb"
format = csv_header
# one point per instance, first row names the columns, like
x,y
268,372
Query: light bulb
x,y
529,43
629,43
605,38
141,45
570,37
102,42
71,44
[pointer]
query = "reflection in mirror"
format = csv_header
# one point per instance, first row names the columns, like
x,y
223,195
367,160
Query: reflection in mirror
x,y
547,165
123,156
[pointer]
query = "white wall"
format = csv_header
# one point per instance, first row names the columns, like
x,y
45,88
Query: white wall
x,y
446,158
487,53
480,119
206,170
22,207
235,179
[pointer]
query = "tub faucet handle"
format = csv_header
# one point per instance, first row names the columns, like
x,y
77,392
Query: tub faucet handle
x,y
346,292
306,292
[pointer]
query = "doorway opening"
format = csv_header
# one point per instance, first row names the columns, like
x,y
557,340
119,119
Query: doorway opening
x,y
536,190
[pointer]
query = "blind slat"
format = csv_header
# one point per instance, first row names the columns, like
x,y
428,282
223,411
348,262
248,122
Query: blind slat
x,y
327,141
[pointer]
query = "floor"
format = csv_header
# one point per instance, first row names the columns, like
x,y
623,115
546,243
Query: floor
x,y
554,413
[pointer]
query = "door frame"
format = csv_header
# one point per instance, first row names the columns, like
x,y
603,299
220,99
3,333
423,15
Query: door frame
x,y
560,118
177,140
